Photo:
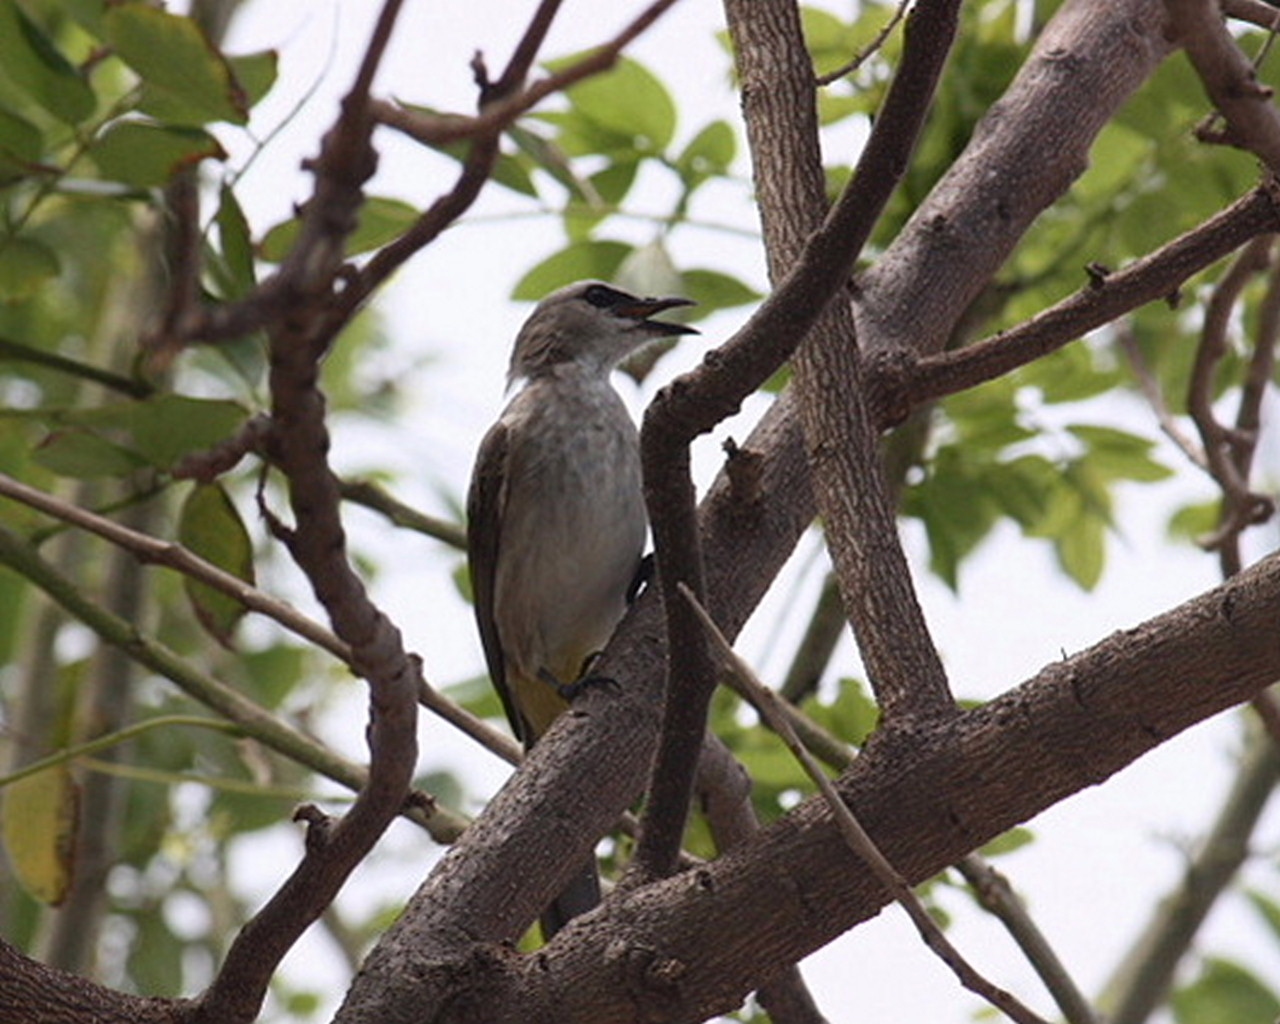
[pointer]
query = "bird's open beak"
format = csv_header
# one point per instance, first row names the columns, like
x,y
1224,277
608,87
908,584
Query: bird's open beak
x,y
642,309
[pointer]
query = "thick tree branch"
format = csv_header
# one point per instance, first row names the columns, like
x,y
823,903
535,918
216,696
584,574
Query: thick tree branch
x,y
926,799
1156,276
903,666
778,716
1229,77
592,764
1022,156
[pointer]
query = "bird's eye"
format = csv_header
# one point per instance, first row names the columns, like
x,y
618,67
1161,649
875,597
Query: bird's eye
x,y
602,297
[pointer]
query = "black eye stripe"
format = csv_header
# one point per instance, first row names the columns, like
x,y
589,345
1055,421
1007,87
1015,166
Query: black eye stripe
x,y
603,297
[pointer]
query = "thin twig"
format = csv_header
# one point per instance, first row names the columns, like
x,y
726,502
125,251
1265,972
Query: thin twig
x,y
744,681
1151,391
872,47
171,555
1157,275
996,896
1229,78
440,130
256,721
18,352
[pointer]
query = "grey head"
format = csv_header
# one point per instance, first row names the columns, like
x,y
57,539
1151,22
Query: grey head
x,y
590,324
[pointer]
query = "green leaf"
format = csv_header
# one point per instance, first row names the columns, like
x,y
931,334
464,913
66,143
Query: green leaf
x,y
572,263
627,101
955,507
21,146
82,455
186,80
165,428
708,154
1269,909
1016,838
381,220
1192,522
1081,550
1070,374
155,955
274,672
1117,454
25,265
236,245
30,60
712,290
39,818
1023,487
1225,993
148,155
210,527
256,73
852,716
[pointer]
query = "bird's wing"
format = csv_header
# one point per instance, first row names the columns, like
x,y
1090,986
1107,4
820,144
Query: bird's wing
x,y
485,501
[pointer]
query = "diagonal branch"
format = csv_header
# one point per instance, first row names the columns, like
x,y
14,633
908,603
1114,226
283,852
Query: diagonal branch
x,y
256,721
1155,276
697,401
777,715
1229,77
440,130
152,550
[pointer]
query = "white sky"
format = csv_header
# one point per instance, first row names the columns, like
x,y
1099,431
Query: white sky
x,y
1100,859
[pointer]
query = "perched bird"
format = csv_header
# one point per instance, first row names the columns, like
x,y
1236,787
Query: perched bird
x,y
555,513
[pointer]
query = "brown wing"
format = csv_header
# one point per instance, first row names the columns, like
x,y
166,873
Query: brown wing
x,y
485,501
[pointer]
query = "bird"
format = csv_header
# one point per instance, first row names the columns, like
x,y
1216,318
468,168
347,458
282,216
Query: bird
x,y
556,519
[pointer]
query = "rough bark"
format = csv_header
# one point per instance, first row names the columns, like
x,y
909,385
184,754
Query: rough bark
x,y
694,945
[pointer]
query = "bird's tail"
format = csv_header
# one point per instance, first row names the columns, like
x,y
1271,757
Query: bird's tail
x,y
579,896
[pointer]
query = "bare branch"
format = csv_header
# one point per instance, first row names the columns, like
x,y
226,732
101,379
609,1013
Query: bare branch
x,y
871,48
171,555
772,709
299,444
1150,388
1228,453
1229,77
996,896
233,706
1258,12
440,130
1155,276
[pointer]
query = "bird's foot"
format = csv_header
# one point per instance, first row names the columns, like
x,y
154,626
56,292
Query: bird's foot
x,y
572,691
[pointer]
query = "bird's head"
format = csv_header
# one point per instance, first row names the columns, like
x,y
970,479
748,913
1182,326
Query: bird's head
x,y
591,324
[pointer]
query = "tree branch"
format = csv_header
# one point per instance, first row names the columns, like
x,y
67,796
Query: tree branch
x,y
299,444
171,555
204,689
1229,77
774,711
929,798
1155,276
1022,156
441,130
